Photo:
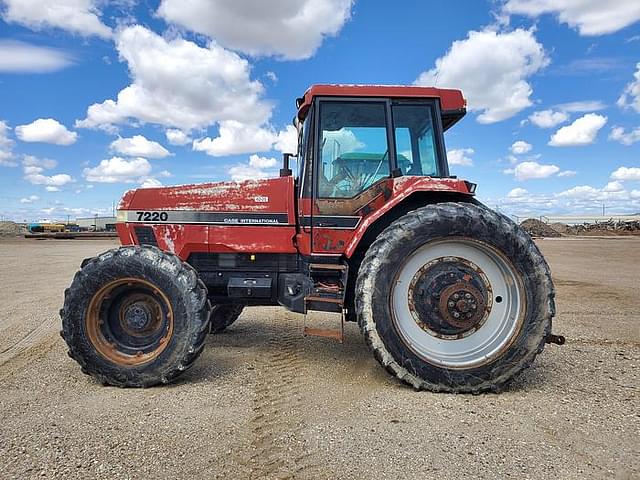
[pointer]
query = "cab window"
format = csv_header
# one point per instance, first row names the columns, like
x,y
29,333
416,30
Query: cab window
x,y
414,132
354,149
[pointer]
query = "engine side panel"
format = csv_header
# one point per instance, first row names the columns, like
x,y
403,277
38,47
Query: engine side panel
x,y
254,216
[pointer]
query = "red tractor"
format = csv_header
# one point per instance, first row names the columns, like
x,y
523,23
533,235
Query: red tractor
x,y
450,295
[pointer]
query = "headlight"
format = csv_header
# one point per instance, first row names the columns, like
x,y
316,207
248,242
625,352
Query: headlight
x,y
471,186
121,216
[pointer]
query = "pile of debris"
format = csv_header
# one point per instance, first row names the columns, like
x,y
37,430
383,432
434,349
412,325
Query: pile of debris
x,y
9,229
536,228
561,228
609,227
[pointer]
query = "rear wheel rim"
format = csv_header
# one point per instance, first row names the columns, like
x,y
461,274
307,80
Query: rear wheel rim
x,y
129,321
457,303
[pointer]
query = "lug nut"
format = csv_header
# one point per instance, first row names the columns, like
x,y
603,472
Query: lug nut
x,y
456,296
451,304
456,315
467,295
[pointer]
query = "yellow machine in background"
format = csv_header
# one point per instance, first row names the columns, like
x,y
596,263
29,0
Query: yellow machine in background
x,y
46,227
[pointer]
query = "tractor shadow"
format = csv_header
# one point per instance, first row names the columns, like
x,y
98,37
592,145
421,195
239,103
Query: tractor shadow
x,y
252,339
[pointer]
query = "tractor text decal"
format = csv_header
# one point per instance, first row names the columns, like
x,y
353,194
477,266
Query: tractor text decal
x,y
209,218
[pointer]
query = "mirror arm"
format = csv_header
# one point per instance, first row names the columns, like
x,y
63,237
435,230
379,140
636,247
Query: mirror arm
x,y
285,171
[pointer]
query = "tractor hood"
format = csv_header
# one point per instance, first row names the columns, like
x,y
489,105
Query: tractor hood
x,y
248,202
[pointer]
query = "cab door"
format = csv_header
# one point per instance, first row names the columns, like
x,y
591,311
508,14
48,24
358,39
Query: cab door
x,y
304,184
352,171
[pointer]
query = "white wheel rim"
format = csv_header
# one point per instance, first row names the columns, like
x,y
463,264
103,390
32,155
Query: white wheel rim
x,y
498,329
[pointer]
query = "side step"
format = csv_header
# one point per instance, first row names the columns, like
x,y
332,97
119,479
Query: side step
x,y
327,266
336,334
327,296
313,298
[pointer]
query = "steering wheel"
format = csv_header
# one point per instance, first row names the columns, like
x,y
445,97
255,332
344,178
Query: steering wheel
x,y
364,182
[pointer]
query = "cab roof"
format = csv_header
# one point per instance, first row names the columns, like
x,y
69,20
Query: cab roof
x,y
452,103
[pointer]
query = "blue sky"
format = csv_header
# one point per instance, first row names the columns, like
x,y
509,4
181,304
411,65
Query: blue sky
x,y
97,97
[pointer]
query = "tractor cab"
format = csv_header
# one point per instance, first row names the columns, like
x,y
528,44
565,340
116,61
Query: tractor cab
x,y
366,133
359,147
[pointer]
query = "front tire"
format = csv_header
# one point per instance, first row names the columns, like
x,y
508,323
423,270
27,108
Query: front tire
x,y
135,316
454,297
223,316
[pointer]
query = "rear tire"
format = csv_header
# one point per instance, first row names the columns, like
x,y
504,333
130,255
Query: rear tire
x,y
223,316
135,316
454,297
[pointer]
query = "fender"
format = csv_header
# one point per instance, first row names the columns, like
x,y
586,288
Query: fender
x,y
403,187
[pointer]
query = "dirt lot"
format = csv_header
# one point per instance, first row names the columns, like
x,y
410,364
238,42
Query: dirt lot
x,y
264,402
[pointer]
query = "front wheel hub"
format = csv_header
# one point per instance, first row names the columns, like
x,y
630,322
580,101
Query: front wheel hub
x,y
137,316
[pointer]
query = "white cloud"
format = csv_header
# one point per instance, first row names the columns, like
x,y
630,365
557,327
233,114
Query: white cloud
x,y
178,84
30,199
581,191
626,173
243,171
44,163
582,106
517,193
20,57
287,140
582,199
614,186
34,168
492,69
582,131
285,28
118,170
630,98
532,170
619,134
51,188
520,147
258,167
588,16
139,146
177,137
611,193
548,118
262,162
271,76
236,138
460,156
567,173
6,146
75,16
150,182
46,130
56,180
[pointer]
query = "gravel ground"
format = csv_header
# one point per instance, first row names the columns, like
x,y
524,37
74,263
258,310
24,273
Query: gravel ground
x,y
264,402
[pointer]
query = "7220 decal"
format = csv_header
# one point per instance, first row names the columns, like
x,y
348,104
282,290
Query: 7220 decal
x,y
152,216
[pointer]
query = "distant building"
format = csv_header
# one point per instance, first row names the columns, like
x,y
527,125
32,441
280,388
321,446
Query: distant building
x,y
98,224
